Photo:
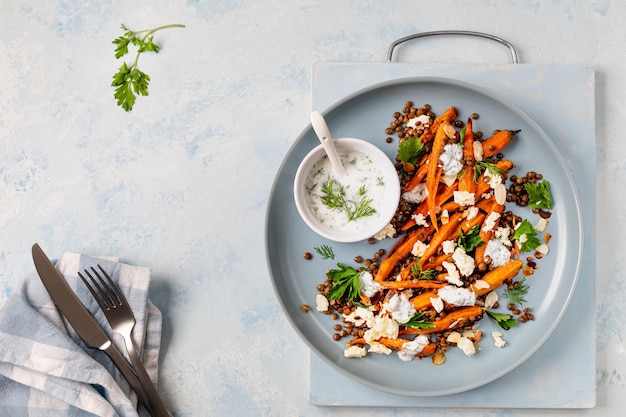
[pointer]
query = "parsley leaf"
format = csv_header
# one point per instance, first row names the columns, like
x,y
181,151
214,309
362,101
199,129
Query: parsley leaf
x,y
344,283
526,235
488,165
505,321
129,81
410,150
471,240
417,322
539,195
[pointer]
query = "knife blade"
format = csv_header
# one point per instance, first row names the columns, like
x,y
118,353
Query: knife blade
x,y
81,320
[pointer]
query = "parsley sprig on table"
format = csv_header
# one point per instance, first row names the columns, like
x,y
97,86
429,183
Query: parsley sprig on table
x,y
129,80
334,197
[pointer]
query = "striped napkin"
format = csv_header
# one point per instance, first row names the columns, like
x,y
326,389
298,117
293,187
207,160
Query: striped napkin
x,y
46,369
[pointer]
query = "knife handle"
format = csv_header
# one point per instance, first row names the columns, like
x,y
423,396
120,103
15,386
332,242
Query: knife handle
x,y
129,374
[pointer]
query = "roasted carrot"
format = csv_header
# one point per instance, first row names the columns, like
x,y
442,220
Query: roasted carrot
x,y
400,250
498,141
396,344
499,276
486,235
434,172
466,180
412,283
443,195
422,302
456,318
448,116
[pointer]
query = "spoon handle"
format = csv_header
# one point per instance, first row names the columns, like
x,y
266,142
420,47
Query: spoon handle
x,y
323,133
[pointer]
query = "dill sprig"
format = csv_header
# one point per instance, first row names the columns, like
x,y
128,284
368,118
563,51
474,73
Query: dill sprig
x,y
516,293
325,251
334,197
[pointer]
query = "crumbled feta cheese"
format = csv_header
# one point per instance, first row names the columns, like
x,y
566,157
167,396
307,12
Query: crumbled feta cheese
x,y
523,238
360,316
497,252
417,194
471,212
368,286
494,180
541,225
453,276
421,120
322,303
437,304
503,234
450,159
448,246
491,221
414,347
400,307
498,341
464,198
448,179
459,297
379,348
355,351
387,231
466,345
420,219
419,248
463,261
384,326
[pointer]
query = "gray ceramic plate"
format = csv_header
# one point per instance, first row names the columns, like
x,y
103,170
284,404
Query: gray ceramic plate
x,y
365,115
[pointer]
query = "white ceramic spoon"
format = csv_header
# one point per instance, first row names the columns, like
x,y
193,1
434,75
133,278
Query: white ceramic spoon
x,y
323,133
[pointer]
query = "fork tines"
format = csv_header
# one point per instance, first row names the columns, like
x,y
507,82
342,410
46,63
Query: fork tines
x,y
105,293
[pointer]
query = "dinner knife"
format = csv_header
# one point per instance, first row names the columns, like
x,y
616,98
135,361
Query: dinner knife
x,y
81,320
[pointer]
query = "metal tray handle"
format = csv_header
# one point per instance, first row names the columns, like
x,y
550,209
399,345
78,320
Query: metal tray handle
x,y
452,32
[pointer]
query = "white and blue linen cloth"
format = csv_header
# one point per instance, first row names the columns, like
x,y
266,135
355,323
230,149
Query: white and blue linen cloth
x,y
46,369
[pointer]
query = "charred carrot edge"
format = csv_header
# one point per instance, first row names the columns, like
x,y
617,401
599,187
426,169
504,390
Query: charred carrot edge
x,y
422,302
418,176
442,196
448,116
462,316
396,344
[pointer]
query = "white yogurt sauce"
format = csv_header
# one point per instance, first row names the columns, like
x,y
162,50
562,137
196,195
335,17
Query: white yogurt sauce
x,y
360,171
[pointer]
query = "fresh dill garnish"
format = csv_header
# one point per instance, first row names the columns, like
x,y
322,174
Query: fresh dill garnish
x,y
417,322
516,293
325,251
488,165
334,197
418,273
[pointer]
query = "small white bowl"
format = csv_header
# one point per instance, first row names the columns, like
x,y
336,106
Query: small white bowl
x,y
385,205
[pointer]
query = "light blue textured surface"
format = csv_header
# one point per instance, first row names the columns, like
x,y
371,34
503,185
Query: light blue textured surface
x,y
181,183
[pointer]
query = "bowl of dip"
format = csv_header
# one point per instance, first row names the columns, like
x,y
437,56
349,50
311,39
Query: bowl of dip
x,y
355,206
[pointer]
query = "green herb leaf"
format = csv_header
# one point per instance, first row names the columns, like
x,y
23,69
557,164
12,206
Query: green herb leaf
x,y
526,235
417,322
129,81
505,321
471,240
539,195
419,273
344,283
334,197
325,251
410,150
488,165
515,295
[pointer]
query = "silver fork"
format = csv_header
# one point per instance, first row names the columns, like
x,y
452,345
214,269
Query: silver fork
x,y
122,320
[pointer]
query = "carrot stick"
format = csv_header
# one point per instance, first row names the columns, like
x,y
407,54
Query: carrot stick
x,y
466,181
396,344
459,317
412,283
402,248
434,172
446,117
485,235
499,276
497,142
442,196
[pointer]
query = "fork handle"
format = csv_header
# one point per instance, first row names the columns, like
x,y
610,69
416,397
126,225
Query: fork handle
x,y
155,400
130,375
